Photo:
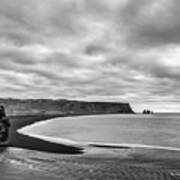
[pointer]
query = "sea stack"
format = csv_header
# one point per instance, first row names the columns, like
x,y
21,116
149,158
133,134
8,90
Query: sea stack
x,y
4,125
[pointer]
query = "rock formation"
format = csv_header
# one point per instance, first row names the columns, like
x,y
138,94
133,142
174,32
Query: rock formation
x,y
4,125
147,111
16,107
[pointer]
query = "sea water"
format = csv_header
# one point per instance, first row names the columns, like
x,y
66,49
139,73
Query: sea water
x,y
157,130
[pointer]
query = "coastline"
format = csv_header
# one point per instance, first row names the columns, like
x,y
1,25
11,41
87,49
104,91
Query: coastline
x,y
22,141
124,163
60,145
79,144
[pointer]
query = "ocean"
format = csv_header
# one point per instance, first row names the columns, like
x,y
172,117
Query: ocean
x,y
151,131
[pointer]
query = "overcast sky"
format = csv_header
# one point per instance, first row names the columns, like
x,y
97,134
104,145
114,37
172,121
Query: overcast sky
x,y
110,50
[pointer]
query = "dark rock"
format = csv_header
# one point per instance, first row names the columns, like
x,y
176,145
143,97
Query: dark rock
x,y
19,107
4,125
147,111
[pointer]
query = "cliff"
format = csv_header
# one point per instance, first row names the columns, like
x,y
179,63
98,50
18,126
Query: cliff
x,y
19,107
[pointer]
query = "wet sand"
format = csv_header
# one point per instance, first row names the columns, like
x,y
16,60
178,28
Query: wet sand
x,y
90,163
22,141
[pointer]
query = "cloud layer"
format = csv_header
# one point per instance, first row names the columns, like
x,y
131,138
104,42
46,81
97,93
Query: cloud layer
x,y
120,50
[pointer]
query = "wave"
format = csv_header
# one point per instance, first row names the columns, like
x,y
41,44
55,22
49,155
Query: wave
x,y
128,146
69,142
56,140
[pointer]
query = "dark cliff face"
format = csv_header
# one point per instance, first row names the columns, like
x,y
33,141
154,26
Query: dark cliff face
x,y
61,107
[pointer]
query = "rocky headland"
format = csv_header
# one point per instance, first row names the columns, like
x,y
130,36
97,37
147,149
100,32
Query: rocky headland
x,y
19,107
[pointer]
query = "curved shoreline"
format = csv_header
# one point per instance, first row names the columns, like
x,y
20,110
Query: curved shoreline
x,y
82,145
32,143
138,163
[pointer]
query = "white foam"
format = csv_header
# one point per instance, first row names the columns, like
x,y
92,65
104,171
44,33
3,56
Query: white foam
x,y
121,145
69,142
97,144
36,124
52,139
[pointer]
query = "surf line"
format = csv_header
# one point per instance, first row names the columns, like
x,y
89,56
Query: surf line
x,y
129,146
69,142
56,140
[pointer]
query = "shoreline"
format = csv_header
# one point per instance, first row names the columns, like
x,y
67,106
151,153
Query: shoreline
x,y
60,145
29,142
79,144
26,142
139,163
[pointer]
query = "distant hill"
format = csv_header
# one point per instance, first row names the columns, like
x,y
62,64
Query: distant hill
x,y
61,107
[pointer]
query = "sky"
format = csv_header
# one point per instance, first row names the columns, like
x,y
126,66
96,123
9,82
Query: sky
x,y
95,50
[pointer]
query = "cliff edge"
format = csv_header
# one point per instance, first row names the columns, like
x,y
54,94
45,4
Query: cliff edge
x,y
17,107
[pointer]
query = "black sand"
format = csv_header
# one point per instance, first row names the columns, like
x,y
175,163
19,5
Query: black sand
x,y
22,141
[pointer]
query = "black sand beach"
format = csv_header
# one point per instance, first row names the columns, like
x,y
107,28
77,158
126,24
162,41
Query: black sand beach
x,y
36,159
21,141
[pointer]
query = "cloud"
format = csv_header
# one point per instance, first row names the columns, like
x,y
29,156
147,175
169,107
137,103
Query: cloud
x,y
96,50
151,23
